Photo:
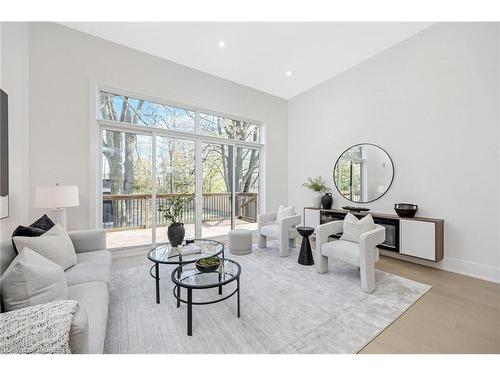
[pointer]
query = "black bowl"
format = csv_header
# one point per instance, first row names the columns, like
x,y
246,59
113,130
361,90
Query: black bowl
x,y
405,209
207,268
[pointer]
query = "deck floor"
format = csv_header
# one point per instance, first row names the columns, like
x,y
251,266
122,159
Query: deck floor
x,y
137,237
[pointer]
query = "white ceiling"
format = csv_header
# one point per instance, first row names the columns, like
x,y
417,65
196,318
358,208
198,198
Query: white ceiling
x,y
259,54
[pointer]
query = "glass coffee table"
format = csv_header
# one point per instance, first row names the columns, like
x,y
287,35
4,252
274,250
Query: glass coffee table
x,y
188,253
190,278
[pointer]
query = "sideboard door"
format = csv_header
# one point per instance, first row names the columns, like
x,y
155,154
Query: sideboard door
x,y
311,218
418,239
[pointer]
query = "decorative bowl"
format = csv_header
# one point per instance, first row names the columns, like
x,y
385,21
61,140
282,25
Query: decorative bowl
x,y
208,264
405,209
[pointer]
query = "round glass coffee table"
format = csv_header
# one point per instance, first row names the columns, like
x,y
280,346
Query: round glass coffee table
x,y
190,278
188,253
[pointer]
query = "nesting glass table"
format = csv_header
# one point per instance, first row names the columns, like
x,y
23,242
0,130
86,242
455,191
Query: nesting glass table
x,y
188,253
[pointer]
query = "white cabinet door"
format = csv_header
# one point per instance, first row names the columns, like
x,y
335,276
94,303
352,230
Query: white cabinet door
x,y
311,218
418,239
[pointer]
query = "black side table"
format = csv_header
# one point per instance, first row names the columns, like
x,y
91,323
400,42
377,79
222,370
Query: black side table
x,y
305,255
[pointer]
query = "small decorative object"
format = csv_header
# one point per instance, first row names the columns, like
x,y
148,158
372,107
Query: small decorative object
x,y
318,186
406,209
327,201
208,264
189,241
355,209
172,212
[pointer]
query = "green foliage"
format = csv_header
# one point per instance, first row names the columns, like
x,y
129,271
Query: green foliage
x,y
316,184
172,211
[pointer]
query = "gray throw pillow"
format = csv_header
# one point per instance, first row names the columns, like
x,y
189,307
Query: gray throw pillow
x,y
32,279
54,245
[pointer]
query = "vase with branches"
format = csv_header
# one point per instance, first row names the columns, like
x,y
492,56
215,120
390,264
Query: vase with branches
x,y
172,212
318,186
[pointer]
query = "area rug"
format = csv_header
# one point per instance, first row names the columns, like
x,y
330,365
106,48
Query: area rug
x,y
285,308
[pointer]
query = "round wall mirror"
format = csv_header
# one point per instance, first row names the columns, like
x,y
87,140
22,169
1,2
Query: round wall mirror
x,y
363,173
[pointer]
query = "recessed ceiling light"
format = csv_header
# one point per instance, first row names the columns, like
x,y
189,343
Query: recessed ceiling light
x,y
222,44
288,73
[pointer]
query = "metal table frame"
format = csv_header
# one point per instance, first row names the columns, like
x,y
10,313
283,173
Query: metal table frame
x,y
189,302
178,262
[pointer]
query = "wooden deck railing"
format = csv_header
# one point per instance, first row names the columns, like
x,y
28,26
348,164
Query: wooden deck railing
x,y
135,211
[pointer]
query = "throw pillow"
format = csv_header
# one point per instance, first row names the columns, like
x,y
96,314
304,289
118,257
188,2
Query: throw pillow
x,y
32,279
54,244
43,223
42,329
284,212
353,228
36,229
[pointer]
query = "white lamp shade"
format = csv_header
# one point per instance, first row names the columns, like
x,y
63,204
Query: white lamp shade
x,y
56,196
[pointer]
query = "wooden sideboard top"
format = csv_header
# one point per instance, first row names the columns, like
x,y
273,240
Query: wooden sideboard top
x,y
389,216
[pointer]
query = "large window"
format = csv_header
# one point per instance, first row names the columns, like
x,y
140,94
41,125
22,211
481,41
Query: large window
x,y
154,153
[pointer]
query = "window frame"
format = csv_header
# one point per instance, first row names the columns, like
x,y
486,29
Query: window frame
x,y
154,132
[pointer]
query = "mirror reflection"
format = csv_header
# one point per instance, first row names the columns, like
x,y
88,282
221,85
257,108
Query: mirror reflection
x,y
363,173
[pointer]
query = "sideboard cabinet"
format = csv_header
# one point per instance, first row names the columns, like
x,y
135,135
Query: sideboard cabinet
x,y
416,237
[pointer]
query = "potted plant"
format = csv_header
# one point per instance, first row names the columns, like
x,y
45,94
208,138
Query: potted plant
x,y
318,186
172,212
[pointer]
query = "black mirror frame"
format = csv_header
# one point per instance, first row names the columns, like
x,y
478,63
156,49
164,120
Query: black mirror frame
x,y
361,144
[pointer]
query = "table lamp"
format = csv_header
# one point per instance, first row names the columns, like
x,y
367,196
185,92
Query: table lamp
x,y
58,198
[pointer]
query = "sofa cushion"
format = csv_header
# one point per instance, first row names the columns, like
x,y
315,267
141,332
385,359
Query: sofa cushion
x,y
32,279
79,332
94,298
54,244
344,250
91,266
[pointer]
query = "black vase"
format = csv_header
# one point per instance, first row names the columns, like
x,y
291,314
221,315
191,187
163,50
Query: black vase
x,y
176,234
327,201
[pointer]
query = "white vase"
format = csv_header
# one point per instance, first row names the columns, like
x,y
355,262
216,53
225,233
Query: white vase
x,y
317,200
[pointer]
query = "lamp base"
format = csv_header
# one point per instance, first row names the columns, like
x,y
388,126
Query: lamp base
x,y
60,216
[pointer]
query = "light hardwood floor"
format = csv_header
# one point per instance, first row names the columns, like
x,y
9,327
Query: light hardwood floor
x,y
459,314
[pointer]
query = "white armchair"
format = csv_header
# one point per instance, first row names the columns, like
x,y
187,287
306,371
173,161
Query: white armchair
x,y
284,231
363,254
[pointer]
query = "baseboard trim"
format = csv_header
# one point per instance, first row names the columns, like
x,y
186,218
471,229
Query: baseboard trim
x,y
479,271
462,267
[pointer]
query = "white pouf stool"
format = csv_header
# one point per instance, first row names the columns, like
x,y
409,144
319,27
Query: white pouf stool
x,y
240,241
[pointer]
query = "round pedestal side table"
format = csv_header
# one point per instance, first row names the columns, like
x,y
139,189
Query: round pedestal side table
x,y
305,255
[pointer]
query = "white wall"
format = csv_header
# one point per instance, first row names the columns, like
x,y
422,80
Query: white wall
x,y
65,64
432,103
14,70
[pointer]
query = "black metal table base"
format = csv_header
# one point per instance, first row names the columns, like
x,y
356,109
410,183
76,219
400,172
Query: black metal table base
x,y
189,302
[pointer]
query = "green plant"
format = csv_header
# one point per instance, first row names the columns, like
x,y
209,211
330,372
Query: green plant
x,y
172,211
208,262
316,184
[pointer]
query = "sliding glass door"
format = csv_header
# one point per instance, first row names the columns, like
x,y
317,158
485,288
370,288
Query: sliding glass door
x,y
126,188
246,189
217,189
155,154
175,181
